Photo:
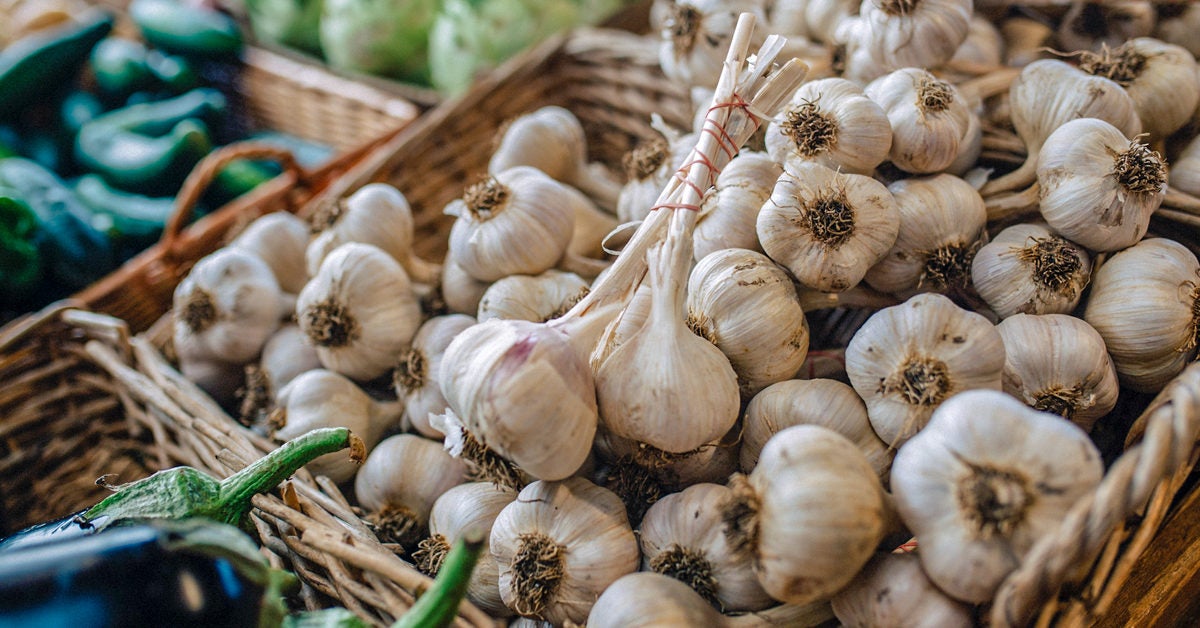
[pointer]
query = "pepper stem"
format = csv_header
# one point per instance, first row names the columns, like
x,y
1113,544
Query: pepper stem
x,y
438,606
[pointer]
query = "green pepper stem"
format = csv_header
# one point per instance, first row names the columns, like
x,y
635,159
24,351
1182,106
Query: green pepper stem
x,y
437,607
269,471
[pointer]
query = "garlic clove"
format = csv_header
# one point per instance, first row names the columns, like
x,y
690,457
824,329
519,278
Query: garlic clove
x,y
645,600
280,239
398,484
1028,269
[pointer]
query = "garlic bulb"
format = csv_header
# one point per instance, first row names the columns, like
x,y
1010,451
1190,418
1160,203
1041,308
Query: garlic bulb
x,y
359,310
824,402
730,208
1094,25
983,482
1178,24
279,238
1143,301
892,590
521,390
908,359
682,536
914,33
1058,364
460,291
286,354
532,298
746,305
226,308
322,398
832,122
695,35
969,150
376,214
552,140
929,119
650,600
827,228
811,514
810,19
466,507
648,166
416,376
942,220
1027,269
515,222
558,546
665,386
1159,77
1048,93
982,49
1096,187
400,481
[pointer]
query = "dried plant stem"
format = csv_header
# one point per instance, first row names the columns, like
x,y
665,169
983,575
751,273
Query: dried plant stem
x,y
1016,205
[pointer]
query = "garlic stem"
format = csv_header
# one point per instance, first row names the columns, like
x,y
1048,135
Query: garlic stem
x,y
585,267
1022,177
1177,199
992,83
1019,205
811,614
858,297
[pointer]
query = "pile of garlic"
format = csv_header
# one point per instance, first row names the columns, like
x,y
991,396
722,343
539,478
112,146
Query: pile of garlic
x,y
672,426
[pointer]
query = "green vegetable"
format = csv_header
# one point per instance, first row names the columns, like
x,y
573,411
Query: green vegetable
x,y
131,221
119,67
42,63
238,177
20,260
187,29
173,72
293,23
383,37
469,37
78,108
150,148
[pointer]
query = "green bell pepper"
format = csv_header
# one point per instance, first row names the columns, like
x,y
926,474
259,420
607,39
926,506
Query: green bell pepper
x,y
42,63
132,221
187,29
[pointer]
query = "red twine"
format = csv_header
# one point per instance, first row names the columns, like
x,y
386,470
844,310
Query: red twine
x,y
724,140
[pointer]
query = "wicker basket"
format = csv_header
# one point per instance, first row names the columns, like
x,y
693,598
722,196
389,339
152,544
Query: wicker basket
x,y
80,397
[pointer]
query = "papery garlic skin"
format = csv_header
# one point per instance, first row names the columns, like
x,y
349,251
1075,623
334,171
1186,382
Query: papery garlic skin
x,y
729,211
695,36
226,308
908,359
651,600
824,402
522,390
1096,187
416,376
892,590
461,509
536,298
280,239
1143,303
930,119
1028,269
558,546
399,482
942,220
827,228
921,33
1159,77
820,513
1058,363
983,482
359,310
682,536
832,122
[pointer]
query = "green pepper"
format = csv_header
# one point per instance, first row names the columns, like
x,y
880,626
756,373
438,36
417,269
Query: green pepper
x,y
20,260
131,221
187,29
238,177
173,72
122,67
150,148
78,108
42,63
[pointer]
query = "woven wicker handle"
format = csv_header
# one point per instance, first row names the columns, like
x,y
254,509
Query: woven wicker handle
x,y
207,170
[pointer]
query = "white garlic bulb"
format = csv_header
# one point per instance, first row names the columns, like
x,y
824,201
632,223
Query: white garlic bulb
x,y
1178,24
942,220
226,308
930,119
399,482
376,214
665,386
651,600
825,402
536,298
521,389
1143,303
558,546
810,19
730,208
914,33
460,291
280,239
1159,77
982,49
694,36
1058,363
892,590
1095,25
682,535
648,167
286,354
983,482
1028,269
811,513
907,359
359,310
832,122
416,376
827,228
1096,187
322,398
